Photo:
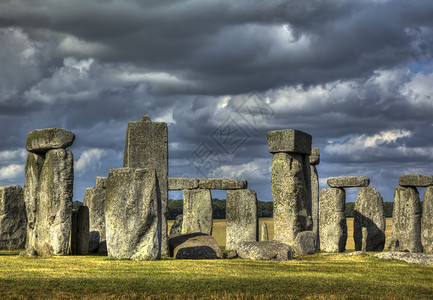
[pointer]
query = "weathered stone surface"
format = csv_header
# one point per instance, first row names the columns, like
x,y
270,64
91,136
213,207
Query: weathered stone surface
x,y
100,182
222,184
132,214
241,217
348,181
197,211
194,246
54,203
232,254
406,220
364,233
315,202
94,239
146,146
266,250
264,235
369,213
315,156
94,199
289,141
412,258
80,231
415,180
305,243
291,195
177,225
332,220
42,140
182,183
13,224
427,221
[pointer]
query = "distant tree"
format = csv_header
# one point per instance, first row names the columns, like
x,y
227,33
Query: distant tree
x,y
387,207
218,208
175,208
265,209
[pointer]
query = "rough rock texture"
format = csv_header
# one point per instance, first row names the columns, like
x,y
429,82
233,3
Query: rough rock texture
x,y
415,180
427,221
369,213
364,243
315,202
94,239
94,199
348,181
264,236
332,220
194,246
289,141
146,146
42,140
291,195
182,183
241,216
315,156
222,184
177,225
305,243
13,224
266,250
132,214
80,231
406,220
100,182
54,203
412,258
197,211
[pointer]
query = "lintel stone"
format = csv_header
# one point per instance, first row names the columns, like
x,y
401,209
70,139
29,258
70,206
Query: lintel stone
x,y
182,183
43,140
222,184
289,141
348,181
415,180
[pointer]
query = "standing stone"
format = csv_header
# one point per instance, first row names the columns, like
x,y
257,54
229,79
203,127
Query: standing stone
x,y
12,218
305,243
332,220
315,202
176,228
242,218
54,203
427,221
406,220
132,214
364,244
146,146
264,236
369,214
197,211
80,231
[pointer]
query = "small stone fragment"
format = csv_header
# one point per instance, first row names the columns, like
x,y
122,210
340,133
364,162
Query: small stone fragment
x,y
289,141
415,180
177,225
222,184
182,183
315,156
305,243
266,250
412,258
42,140
427,221
197,211
348,181
264,236
13,224
194,246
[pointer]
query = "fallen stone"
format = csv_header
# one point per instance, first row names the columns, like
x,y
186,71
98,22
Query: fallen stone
x,y
94,199
264,236
315,202
332,220
406,220
412,258
94,239
369,214
415,180
427,221
13,224
182,183
194,246
348,181
102,249
266,250
42,140
132,215
80,231
241,217
315,156
177,225
100,182
232,254
222,184
28,253
355,253
197,211
305,243
289,141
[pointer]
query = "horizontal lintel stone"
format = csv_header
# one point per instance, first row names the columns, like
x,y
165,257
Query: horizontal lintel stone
x,y
348,181
43,140
290,141
222,184
182,183
415,180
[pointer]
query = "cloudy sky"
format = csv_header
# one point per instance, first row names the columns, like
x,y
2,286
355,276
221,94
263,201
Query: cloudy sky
x,y
356,75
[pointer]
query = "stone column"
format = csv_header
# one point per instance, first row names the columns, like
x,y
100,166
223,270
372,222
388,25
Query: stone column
x,y
315,160
12,218
427,221
197,211
80,231
146,146
242,218
291,187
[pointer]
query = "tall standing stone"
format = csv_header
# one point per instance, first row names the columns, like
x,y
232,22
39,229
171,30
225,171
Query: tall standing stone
x,y
80,231
332,220
406,220
427,221
197,211
133,214
241,216
315,160
369,213
12,218
264,236
146,146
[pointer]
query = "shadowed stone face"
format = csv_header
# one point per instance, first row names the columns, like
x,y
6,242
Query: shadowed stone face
x,y
415,180
94,199
289,141
194,246
42,140
80,231
315,202
197,211
348,181
427,221
12,218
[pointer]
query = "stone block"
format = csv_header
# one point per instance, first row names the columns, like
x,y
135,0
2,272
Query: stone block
x,y
266,250
427,221
315,156
415,180
315,202
348,181
94,239
241,217
264,236
80,231
42,140
305,243
182,183
222,184
94,199
13,224
289,141
132,214
197,211
194,246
